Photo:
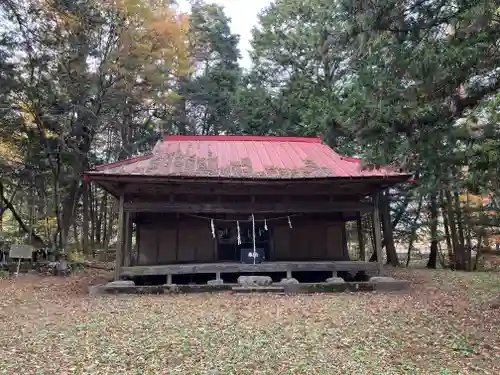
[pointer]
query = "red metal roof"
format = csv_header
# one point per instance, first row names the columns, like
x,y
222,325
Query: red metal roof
x,y
242,157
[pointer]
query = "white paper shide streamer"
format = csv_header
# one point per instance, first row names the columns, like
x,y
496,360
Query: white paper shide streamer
x,y
289,222
212,226
254,249
265,224
239,232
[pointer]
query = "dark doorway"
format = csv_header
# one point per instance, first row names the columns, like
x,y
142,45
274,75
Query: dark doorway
x,y
228,248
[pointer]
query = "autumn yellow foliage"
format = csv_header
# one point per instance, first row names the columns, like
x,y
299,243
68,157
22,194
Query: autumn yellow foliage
x,y
480,202
155,32
10,155
151,35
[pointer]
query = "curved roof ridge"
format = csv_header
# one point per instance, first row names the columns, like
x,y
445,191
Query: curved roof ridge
x,y
240,138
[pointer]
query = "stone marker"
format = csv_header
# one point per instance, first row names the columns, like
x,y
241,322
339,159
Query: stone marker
x,y
255,280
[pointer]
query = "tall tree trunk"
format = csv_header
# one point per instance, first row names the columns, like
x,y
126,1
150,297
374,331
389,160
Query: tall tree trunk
x,y
85,219
468,234
75,235
478,253
446,226
1,207
102,219
459,216
433,218
109,224
68,210
92,214
385,218
413,234
458,256
464,258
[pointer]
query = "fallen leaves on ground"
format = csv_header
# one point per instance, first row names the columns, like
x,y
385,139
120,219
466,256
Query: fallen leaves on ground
x,y
50,325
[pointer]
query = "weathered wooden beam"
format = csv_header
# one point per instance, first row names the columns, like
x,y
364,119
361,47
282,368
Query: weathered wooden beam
x,y
155,185
238,189
377,232
247,208
195,268
119,242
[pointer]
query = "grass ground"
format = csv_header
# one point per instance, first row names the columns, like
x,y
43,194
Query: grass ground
x,y
444,325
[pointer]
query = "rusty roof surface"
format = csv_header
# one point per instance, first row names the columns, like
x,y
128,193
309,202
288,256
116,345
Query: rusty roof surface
x,y
251,157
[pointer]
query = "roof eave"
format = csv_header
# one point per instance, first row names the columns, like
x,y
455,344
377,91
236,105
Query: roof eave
x,y
98,175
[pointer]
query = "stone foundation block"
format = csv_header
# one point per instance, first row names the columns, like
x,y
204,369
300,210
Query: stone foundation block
x,y
381,279
255,280
388,284
215,282
292,288
121,283
335,281
97,290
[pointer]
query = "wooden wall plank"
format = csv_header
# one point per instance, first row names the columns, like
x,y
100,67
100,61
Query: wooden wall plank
x,y
167,242
148,244
334,241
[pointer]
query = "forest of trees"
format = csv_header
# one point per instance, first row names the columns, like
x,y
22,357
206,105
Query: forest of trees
x,y
413,83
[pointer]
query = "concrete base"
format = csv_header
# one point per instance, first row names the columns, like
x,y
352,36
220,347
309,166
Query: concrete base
x,y
258,289
388,284
215,282
304,288
121,283
292,288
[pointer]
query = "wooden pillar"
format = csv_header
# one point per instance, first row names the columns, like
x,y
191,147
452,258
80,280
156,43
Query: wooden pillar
x,y
361,238
119,241
128,239
345,249
377,233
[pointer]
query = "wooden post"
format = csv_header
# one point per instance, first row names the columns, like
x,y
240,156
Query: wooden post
x,y
377,232
361,238
345,249
119,241
128,239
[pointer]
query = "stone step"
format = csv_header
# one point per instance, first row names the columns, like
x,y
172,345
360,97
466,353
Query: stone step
x,y
258,289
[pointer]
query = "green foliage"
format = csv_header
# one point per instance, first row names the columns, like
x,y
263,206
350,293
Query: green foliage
x,y
413,84
206,96
299,74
